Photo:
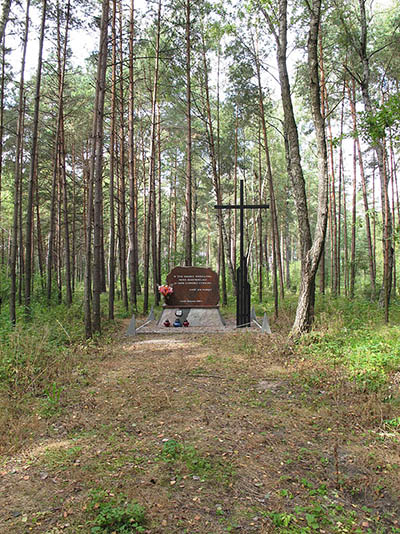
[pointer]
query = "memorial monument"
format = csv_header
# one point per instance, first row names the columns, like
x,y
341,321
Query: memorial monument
x,y
194,297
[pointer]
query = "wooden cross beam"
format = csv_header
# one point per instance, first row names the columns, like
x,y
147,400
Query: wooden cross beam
x,y
243,286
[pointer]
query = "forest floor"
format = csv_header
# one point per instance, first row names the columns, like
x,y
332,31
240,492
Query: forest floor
x,y
208,434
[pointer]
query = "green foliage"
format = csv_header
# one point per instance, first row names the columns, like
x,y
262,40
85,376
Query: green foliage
x,y
37,357
386,116
31,351
189,459
358,339
114,515
61,458
394,423
315,518
51,402
171,450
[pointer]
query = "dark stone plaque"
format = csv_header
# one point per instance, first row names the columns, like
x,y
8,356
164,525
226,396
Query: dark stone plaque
x,y
194,287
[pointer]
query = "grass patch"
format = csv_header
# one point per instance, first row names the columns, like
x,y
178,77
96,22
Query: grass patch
x,y
61,458
352,334
114,515
324,517
186,459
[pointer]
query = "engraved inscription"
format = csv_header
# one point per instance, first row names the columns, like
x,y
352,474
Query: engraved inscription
x,y
193,286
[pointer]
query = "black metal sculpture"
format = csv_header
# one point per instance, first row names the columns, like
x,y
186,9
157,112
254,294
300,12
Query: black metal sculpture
x,y
243,286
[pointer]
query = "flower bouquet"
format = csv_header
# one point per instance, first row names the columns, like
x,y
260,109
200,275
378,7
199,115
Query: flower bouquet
x,y
166,290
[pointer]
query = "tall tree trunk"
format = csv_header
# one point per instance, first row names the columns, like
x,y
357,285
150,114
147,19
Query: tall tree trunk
x,y
151,226
33,171
387,235
111,258
189,201
392,176
372,273
353,226
58,155
310,251
122,186
276,250
62,62
340,186
17,175
260,222
5,13
345,244
223,237
74,259
133,242
97,167
159,205
2,231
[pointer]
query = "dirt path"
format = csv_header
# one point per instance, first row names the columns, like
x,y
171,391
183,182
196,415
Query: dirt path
x,y
210,434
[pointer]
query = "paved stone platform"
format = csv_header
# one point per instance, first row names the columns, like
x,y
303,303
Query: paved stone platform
x,y
197,317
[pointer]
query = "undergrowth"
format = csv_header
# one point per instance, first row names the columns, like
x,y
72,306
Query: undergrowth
x,y
353,334
114,515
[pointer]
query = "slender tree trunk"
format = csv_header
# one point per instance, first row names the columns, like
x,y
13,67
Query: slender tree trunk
x,y
188,207
159,218
372,273
111,259
353,226
58,234
235,200
133,243
58,155
20,246
387,235
223,238
5,13
33,171
151,226
395,187
276,251
17,175
62,62
332,193
122,186
392,176
340,186
2,231
74,259
97,167
345,244
260,223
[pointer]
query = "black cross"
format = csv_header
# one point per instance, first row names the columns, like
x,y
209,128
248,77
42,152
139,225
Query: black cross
x,y
243,286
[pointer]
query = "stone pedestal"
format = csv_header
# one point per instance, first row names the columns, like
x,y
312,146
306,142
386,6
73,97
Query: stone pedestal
x,y
196,316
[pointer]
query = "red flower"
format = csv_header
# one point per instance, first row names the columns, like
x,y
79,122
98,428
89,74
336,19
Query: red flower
x,y
165,290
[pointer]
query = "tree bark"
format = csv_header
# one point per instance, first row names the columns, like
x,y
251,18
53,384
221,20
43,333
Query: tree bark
x,y
151,226
310,251
133,242
111,258
97,167
189,200
2,231
387,235
17,175
223,238
5,13
372,273
33,171
122,182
